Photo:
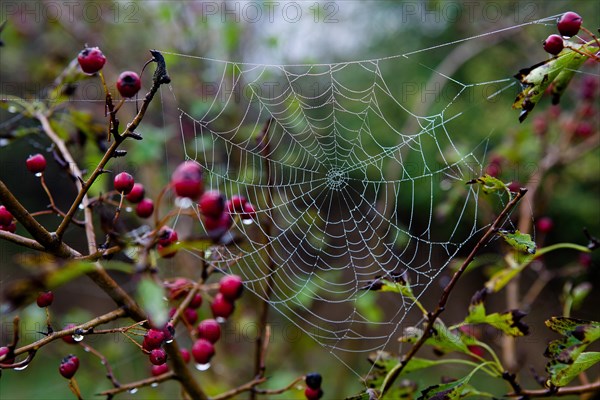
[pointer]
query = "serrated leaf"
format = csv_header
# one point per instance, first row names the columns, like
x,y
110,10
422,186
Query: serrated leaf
x,y
520,241
561,374
557,71
567,357
490,184
508,322
150,296
443,339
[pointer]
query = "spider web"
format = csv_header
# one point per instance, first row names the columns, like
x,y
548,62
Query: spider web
x,y
348,183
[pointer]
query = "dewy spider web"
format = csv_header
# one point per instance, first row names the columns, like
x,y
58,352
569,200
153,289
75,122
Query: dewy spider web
x,y
347,186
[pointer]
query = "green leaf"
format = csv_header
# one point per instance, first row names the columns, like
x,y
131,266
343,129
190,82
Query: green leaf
x,y
383,362
490,184
557,71
520,241
567,357
150,295
443,339
508,322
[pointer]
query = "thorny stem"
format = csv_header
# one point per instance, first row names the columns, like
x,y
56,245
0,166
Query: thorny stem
x,y
428,331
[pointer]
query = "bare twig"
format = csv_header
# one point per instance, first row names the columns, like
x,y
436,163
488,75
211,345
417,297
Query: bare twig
x,y
431,318
563,391
139,384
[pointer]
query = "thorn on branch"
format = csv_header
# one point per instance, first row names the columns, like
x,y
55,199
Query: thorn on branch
x,y
120,153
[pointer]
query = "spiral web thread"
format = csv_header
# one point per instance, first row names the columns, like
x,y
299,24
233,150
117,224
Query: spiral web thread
x,y
345,190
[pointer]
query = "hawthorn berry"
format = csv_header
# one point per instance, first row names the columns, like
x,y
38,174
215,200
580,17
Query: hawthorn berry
x,y
169,331
584,129
196,301
178,288
69,338
136,194
569,23
167,236
313,380
210,330
476,350
123,183
585,259
221,307
190,315
12,227
91,60
313,394
187,180
145,208
185,354
5,351
553,44
158,356
231,286
216,227
5,216
128,84
203,351
153,339
157,370
68,366
212,203
236,204
36,163
545,224
249,212
45,299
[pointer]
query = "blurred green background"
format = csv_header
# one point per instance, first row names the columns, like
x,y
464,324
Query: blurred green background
x,y
41,38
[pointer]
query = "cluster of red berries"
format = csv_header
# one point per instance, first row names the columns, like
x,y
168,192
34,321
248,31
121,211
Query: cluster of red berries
x,y
134,193
568,25
7,221
313,389
92,60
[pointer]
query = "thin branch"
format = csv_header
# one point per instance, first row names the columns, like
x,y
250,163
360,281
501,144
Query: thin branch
x,y
428,331
21,240
240,389
109,372
282,390
139,384
563,391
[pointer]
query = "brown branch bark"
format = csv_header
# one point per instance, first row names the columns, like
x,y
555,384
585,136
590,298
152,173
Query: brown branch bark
x,y
563,391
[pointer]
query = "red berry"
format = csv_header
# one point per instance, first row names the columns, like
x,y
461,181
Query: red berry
x,y
68,366
44,299
166,251
5,351
553,44
157,370
313,394
167,236
124,183
190,315
158,356
231,286
187,180
12,227
91,60
585,259
185,354
236,204
514,186
178,288
476,350
216,227
249,212
210,330
36,163
137,193
584,129
569,24
128,84
212,203
153,339
589,88
545,224
196,301
493,170
203,351
221,307
145,208
69,338
5,216
540,125
169,331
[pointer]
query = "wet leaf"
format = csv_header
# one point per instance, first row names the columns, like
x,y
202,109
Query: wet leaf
x,y
508,322
150,295
520,241
490,184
